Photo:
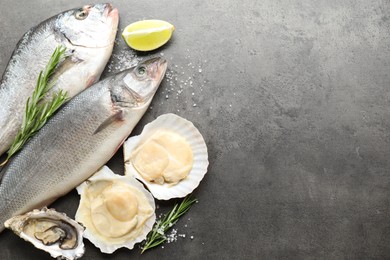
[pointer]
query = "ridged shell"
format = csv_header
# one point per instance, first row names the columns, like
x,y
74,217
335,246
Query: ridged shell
x,y
194,138
105,173
18,224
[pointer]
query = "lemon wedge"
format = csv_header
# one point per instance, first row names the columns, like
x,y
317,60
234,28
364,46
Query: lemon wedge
x,y
147,35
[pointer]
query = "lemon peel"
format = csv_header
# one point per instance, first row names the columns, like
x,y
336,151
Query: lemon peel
x,y
147,35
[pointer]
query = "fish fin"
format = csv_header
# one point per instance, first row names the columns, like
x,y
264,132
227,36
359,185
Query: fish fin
x,y
64,66
74,59
91,81
118,116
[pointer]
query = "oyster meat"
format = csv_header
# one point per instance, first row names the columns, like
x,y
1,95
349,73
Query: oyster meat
x,y
50,231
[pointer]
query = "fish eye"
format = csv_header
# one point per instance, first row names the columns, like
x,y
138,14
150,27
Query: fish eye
x,y
81,14
141,71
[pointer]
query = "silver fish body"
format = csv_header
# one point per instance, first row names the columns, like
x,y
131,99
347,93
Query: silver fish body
x,y
78,140
88,34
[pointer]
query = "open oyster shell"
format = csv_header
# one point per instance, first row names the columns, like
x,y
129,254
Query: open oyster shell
x,y
50,231
117,211
181,128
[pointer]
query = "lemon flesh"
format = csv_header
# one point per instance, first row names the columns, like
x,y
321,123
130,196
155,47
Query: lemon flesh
x,y
147,35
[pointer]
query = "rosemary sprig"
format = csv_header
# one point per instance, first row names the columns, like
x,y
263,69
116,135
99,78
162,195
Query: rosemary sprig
x,y
157,235
38,110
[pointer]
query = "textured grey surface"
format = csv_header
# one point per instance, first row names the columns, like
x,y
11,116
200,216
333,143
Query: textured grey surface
x,y
292,98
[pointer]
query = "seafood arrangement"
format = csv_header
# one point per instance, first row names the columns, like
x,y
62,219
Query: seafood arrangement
x,y
169,157
78,140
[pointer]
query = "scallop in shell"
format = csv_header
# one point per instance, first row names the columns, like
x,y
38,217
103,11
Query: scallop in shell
x,y
117,211
50,231
169,157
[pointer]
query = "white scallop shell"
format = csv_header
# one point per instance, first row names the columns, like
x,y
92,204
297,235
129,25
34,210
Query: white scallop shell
x,y
194,138
105,173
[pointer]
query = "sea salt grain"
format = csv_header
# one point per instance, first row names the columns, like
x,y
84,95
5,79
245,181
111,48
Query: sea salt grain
x,y
122,60
181,77
172,237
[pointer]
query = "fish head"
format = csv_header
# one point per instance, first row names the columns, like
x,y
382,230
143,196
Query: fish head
x,y
92,26
88,33
140,83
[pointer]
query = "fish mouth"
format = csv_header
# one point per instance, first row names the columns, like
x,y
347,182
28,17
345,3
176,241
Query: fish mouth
x,y
112,15
158,67
106,10
162,68
109,11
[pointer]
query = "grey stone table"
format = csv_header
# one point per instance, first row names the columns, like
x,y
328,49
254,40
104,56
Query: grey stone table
x,y
293,100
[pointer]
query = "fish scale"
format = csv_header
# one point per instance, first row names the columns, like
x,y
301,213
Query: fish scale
x,y
90,42
69,149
